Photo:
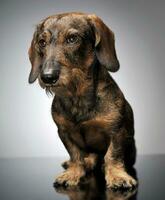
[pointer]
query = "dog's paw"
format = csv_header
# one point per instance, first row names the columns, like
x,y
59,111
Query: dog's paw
x,y
71,177
119,179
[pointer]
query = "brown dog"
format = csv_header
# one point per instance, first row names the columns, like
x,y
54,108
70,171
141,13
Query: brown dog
x,y
71,55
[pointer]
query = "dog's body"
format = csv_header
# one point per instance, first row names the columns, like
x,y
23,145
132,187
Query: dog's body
x,y
71,55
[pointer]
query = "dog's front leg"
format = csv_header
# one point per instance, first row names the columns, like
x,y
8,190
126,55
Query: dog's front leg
x,y
76,169
115,170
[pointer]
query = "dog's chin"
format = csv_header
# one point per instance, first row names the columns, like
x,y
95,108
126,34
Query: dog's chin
x,y
49,88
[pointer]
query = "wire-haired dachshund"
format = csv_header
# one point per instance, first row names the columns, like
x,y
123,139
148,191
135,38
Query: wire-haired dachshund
x,y
71,56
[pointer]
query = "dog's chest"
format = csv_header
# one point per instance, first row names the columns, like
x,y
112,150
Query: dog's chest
x,y
77,120
79,108
89,135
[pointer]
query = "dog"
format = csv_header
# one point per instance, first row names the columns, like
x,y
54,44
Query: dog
x,y
71,56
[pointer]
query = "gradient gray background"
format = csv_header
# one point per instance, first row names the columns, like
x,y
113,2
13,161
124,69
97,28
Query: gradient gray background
x,y
26,126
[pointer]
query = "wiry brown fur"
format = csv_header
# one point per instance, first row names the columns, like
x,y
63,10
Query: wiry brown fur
x,y
94,120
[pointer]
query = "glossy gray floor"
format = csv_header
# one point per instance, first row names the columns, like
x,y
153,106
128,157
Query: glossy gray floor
x,y
32,179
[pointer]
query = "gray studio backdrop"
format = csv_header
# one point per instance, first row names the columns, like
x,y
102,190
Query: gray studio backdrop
x,y
26,126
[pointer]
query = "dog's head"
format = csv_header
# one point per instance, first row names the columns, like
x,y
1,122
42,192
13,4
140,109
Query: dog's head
x,y
67,41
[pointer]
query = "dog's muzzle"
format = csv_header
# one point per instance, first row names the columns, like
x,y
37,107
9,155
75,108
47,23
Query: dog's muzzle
x,y
50,72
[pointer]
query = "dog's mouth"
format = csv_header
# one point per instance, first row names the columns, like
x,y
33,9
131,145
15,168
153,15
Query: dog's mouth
x,y
53,84
50,88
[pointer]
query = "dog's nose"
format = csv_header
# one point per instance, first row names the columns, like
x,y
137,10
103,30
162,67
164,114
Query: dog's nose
x,y
50,77
50,72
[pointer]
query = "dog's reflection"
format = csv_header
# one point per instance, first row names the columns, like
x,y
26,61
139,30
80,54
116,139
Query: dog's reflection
x,y
93,188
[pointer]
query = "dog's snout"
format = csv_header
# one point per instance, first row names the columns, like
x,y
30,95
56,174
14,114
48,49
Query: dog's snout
x,y
50,72
50,78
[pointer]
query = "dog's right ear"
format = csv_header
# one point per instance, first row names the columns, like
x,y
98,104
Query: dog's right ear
x,y
35,60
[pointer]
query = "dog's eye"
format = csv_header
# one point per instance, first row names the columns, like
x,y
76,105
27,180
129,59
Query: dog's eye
x,y
72,39
42,43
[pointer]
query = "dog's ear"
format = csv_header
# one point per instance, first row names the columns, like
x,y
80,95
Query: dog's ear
x,y
104,44
35,60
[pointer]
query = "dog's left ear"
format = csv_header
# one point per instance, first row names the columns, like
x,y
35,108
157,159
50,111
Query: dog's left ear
x,y
35,60
104,44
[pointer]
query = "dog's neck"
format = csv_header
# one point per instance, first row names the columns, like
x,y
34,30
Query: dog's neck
x,y
81,97
84,84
